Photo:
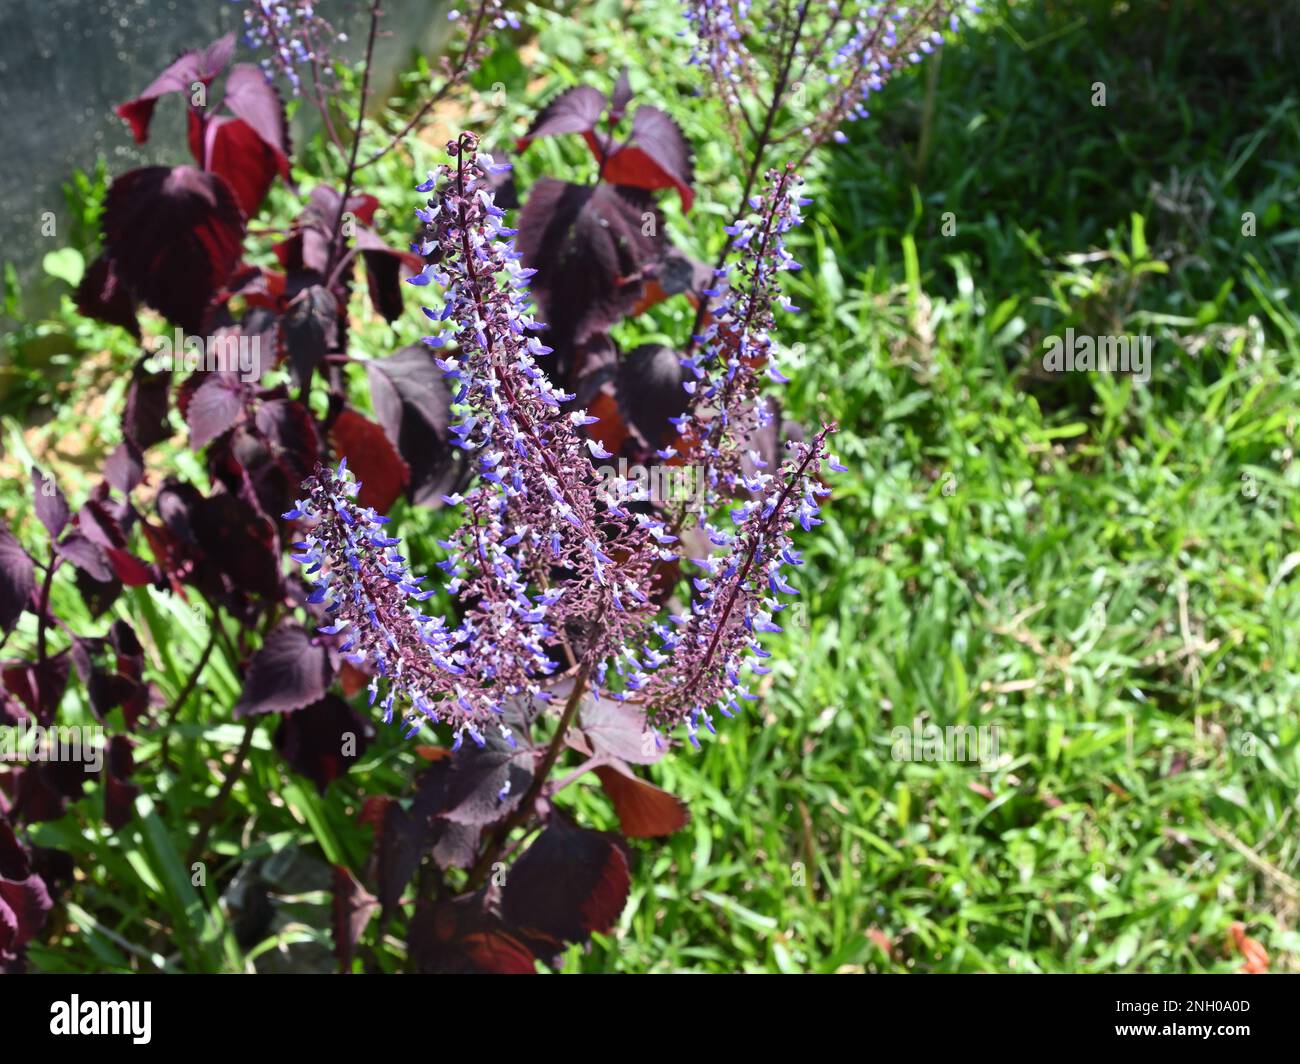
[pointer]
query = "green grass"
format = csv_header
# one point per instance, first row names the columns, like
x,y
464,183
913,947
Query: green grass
x,y
1103,570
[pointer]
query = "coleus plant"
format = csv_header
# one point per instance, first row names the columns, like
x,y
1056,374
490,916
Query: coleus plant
x,y
555,584
568,628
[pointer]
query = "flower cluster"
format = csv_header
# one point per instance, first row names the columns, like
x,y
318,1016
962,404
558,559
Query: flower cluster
x,y
463,676
536,496
706,648
736,346
292,34
547,564
851,48
719,27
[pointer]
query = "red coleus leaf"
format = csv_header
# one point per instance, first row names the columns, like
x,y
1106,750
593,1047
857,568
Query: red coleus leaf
x,y
576,110
382,472
644,810
200,66
291,671
17,579
103,295
129,569
252,98
352,909
174,236
231,148
655,156
323,740
570,883
251,147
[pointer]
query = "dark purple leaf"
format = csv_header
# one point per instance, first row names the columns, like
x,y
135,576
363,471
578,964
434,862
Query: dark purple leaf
x,y
103,295
86,556
385,268
174,236
576,110
45,788
119,792
50,502
621,97
214,408
100,525
487,783
353,907
617,729
124,467
454,845
39,686
17,578
400,840
413,406
145,418
308,248
24,900
323,740
458,936
289,672
570,883
239,541
650,392
592,247
98,595
311,330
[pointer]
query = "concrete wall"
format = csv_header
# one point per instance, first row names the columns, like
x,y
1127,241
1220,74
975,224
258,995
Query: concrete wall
x,y
64,65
